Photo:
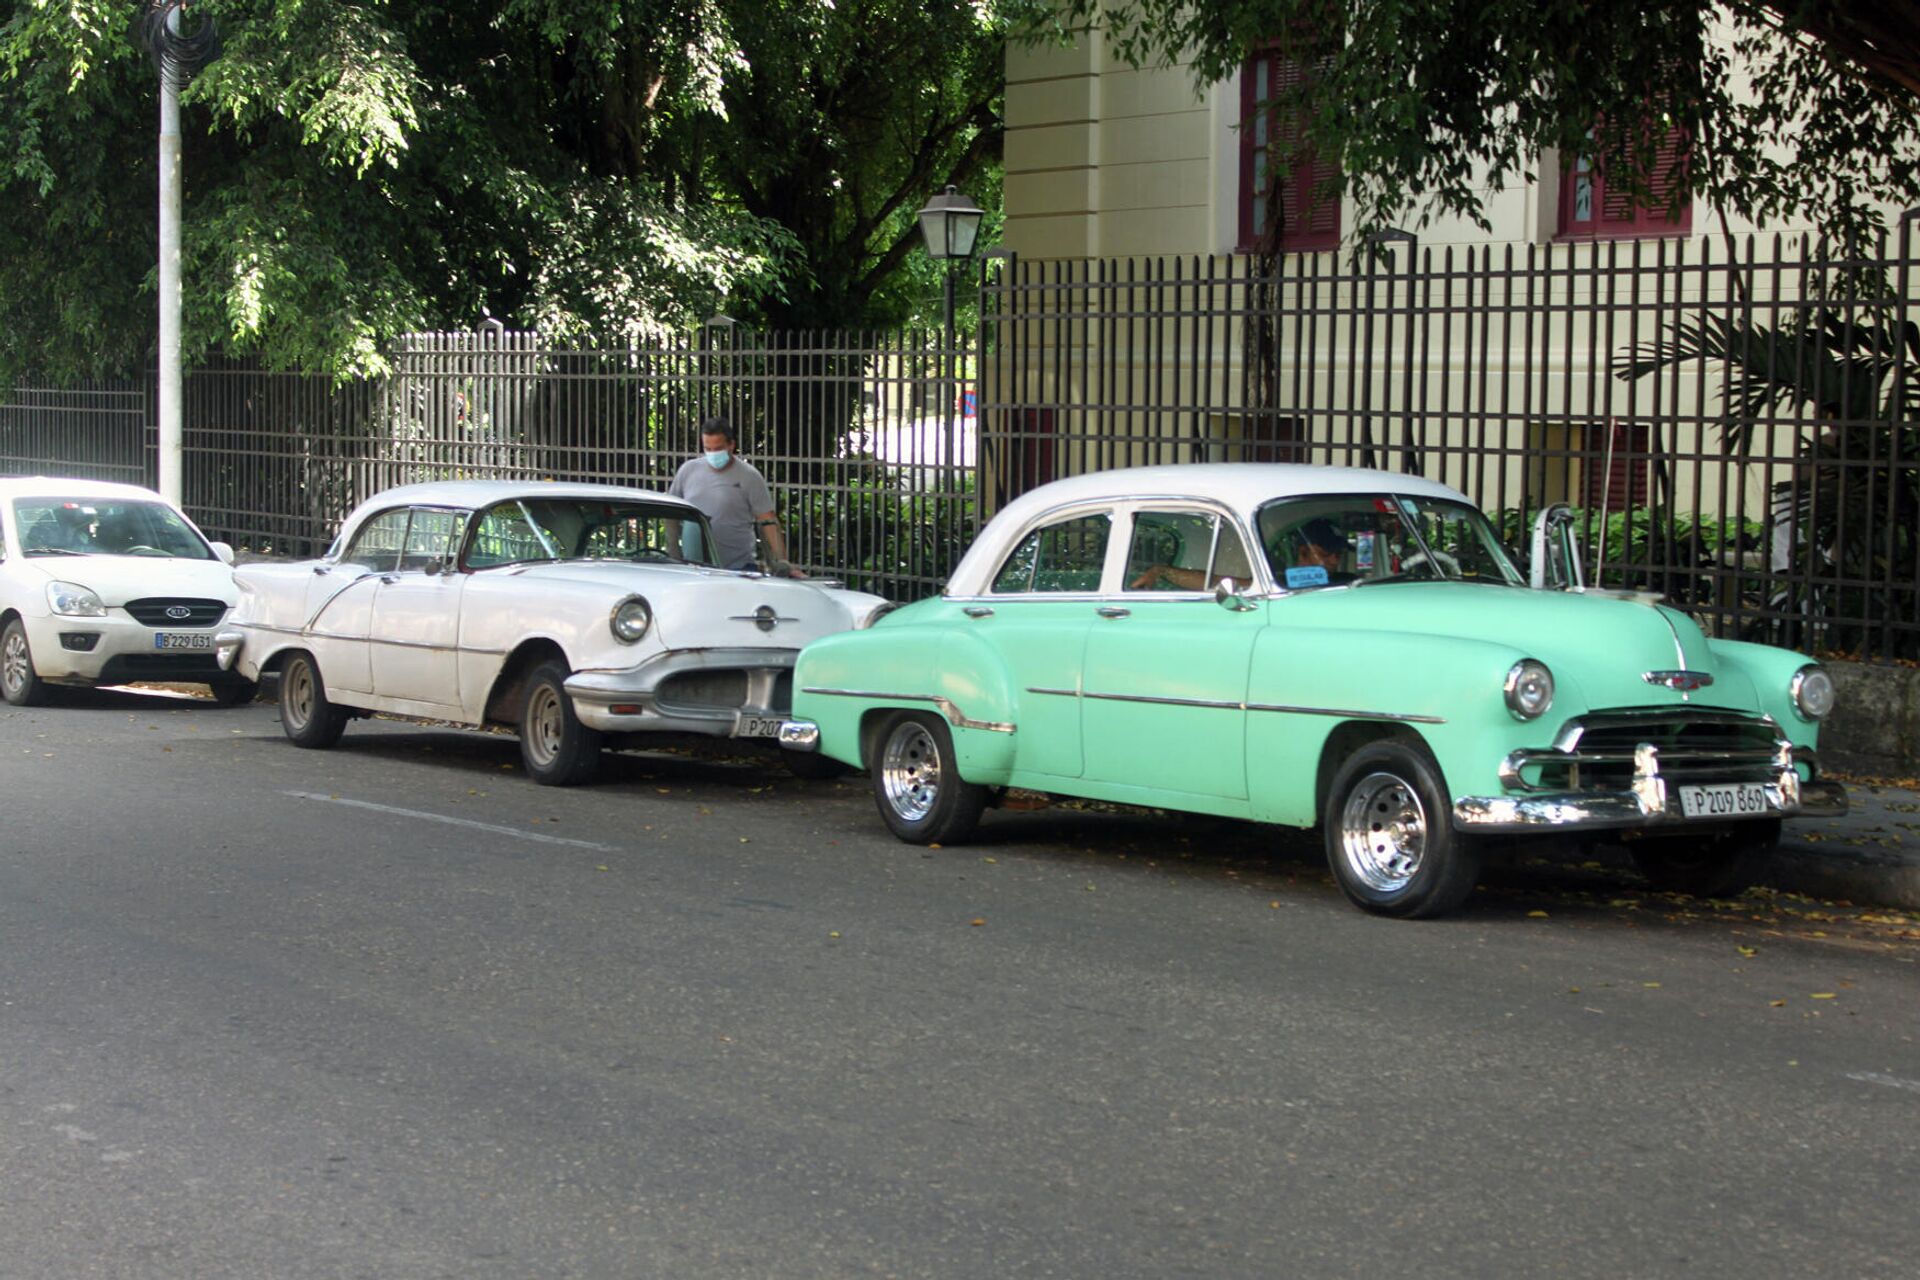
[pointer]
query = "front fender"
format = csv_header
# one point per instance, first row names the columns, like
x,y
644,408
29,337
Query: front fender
x,y
1447,691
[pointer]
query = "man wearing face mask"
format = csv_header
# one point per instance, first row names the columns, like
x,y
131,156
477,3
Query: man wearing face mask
x,y
734,498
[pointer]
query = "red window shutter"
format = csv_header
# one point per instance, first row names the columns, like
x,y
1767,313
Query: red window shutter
x,y
1609,212
1306,222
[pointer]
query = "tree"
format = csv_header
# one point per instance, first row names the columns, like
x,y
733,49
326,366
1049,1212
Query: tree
x,y
1807,107
359,169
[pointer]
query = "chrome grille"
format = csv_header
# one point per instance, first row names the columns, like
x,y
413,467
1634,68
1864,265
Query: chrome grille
x,y
152,611
726,689
1596,752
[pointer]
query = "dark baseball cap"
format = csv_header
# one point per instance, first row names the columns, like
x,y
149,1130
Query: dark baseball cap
x,y
1322,533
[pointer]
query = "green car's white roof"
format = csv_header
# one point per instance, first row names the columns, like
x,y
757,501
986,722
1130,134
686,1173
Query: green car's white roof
x,y
1243,487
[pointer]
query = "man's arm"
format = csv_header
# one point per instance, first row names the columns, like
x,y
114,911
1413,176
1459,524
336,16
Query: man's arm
x,y
776,543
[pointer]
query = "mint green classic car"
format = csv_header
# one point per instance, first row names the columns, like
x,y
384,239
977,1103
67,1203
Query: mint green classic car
x,y
1319,646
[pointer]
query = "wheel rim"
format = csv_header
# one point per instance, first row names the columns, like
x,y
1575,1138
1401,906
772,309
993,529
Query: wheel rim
x,y
1383,832
910,772
297,697
15,663
546,724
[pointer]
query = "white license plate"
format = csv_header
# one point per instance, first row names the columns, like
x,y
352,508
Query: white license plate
x,y
183,639
757,727
1724,800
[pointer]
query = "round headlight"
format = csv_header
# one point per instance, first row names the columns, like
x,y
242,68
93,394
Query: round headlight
x,y
1812,692
631,618
1529,689
72,600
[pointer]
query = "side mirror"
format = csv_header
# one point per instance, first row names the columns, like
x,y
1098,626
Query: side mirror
x,y
1226,594
434,567
1555,562
222,550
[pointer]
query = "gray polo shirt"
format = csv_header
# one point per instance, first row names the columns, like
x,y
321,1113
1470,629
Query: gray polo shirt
x,y
732,498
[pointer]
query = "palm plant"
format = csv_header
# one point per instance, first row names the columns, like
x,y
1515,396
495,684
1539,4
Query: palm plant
x,y
1845,381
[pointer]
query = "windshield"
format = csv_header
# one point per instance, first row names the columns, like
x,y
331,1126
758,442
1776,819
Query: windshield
x,y
1355,539
105,527
534,529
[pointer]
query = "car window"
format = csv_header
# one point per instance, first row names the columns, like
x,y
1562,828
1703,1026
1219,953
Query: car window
x,y
433,537
1184,551
105,527
587,529
1062,557
376,546
1342,539
504,535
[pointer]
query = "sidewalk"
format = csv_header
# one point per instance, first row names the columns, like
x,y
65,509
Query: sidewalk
x,y
1870,856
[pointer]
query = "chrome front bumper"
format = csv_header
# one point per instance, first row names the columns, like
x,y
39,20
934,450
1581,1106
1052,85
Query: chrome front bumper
x,y
628,700
1650,800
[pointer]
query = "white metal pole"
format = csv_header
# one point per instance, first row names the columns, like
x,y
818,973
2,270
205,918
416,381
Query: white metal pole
x,y
169,406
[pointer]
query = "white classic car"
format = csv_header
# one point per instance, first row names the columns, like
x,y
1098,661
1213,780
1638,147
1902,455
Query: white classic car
x,y
576,613
105,584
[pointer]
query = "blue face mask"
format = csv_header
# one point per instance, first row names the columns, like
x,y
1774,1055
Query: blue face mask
x,y
718,458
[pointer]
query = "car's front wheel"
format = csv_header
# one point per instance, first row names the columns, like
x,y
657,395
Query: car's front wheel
x,y
307,715
21,685
920,791
1390,835
1708,864
557,749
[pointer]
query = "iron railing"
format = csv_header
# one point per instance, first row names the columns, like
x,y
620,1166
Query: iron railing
x,y
1523,375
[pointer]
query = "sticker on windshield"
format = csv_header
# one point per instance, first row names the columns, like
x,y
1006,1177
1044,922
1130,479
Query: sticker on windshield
x,y
1311,575
1363,550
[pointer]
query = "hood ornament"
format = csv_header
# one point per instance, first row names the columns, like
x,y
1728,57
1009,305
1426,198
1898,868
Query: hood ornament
x,y
765,617
1678,681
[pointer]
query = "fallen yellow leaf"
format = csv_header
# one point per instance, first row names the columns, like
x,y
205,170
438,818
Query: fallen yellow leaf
x,y
1536,915
977,921
1821,995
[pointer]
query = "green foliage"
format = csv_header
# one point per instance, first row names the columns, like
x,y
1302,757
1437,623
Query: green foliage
x,y
882,537
357,170
1453,100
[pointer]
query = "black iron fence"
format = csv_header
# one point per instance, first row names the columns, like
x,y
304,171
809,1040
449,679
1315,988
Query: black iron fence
x,y
1736,425
1734,422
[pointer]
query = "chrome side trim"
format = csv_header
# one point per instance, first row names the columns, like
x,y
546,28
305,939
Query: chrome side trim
x,y
1164,702
946,705
310,634
1346,714
1343,713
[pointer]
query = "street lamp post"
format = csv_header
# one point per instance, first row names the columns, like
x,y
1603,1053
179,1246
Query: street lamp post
x,y
950,222
179,55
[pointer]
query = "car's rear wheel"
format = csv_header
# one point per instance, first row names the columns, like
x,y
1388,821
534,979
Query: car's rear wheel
x,y
233,693
1708,864
557,749
1390,835
920,791
309,718
18,680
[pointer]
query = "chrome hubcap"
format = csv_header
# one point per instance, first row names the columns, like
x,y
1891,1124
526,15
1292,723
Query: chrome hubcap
x,y
910,771
1383,832
545,724
15,664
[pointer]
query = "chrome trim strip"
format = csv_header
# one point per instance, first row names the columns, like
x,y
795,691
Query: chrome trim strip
x,y
305,634
1347,714
1245,706
1163,702
946,705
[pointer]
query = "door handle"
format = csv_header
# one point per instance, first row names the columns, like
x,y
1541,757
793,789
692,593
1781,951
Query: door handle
x,y
389,578
978,611
1113,611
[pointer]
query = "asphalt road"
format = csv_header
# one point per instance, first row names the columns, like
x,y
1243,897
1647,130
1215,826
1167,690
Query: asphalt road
x,y
394,1011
